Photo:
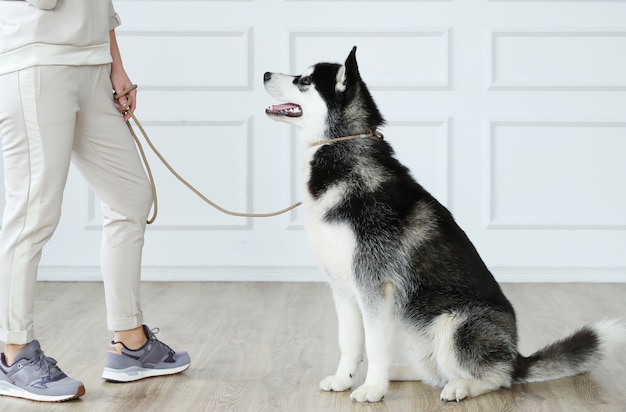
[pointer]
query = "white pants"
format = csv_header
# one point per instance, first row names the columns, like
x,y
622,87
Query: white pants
x,y
49,116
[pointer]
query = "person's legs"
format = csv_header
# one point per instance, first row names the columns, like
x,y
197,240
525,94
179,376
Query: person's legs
x,y
37,114
105,154
37,127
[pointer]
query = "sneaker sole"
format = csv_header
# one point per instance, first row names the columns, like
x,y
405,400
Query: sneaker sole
x,y
135,373
7,389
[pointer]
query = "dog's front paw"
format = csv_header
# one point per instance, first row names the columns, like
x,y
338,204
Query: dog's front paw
x,y
336,383
368,393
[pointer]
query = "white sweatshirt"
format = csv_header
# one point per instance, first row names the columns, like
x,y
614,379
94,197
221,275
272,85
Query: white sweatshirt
x,y
55,32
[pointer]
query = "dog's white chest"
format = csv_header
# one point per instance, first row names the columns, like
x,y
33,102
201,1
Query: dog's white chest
x,y
333,243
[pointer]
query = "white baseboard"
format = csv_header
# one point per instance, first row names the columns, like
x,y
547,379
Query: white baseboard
x,y
559,275
192,274
314,274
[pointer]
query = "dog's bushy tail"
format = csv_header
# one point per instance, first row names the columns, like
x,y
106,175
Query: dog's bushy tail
x,y
578,353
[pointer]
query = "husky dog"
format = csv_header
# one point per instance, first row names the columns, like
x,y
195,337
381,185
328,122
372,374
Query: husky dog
x,y
409,287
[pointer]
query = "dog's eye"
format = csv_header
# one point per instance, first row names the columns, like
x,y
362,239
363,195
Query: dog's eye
x,y
305,81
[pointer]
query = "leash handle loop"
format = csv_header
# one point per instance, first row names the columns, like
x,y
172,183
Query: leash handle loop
x,y
125,93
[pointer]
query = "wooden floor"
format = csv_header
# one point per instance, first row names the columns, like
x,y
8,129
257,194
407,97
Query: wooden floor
x,y
265,346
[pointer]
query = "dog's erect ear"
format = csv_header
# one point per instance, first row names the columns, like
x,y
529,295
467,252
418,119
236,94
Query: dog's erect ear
x,y
340,86
348,73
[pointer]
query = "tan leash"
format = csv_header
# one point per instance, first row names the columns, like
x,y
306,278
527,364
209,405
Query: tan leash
x,y
185,182
374,133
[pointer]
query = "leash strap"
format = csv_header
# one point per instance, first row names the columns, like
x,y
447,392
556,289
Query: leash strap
x,y
374,133
171,169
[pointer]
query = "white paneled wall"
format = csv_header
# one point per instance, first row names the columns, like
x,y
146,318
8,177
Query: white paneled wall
x,y
513,113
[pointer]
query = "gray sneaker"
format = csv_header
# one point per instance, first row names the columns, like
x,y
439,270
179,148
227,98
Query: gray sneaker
x,y
36,377
155,358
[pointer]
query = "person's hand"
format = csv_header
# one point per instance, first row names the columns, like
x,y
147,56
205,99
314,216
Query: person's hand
x,y
120,81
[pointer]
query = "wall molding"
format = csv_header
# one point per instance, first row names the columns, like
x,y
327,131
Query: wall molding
x,y
442,83
245,34
488,173
494,84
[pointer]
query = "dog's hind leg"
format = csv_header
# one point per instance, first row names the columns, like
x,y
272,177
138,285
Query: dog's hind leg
x,y
459,389
476,351
378,325
350,331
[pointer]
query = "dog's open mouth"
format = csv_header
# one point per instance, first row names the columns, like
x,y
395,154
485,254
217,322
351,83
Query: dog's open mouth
x,y
286,109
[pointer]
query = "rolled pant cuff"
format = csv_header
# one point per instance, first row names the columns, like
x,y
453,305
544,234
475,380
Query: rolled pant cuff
x,y
118,324
17,337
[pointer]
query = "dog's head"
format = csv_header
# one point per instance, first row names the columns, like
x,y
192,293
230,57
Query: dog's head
x,y
328,100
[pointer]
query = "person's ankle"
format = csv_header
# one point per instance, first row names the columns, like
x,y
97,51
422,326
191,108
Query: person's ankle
x,y
133,339
10,351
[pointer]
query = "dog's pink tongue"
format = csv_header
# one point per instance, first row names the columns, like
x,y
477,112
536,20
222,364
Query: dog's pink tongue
x,y
285,109
284,106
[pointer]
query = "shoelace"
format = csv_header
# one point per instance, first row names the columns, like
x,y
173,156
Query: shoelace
x,y
156,340
43,362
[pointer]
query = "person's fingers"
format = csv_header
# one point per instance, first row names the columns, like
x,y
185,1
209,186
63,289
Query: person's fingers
x,y
126,104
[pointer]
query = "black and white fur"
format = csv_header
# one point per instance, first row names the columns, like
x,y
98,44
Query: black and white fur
x,y
409,287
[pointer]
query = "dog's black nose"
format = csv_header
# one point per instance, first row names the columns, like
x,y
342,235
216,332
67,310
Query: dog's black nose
x,y
267,76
